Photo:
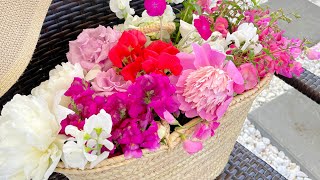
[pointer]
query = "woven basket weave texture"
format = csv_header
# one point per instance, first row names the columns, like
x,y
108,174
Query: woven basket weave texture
x,y
173,162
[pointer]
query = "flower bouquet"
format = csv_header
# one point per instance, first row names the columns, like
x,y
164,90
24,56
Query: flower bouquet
x,y
161,96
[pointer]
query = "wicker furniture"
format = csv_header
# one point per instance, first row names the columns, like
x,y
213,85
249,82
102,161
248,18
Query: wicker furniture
x,y
66,19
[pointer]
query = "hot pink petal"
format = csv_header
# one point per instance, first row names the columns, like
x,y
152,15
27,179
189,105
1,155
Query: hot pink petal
x,y
234,73
203,26
192,147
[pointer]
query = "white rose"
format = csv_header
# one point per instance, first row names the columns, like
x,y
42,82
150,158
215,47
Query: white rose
x,y
94,135
30,147
247,34
121,8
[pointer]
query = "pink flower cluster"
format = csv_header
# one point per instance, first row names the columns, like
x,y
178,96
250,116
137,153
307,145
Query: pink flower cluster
x,y
280,52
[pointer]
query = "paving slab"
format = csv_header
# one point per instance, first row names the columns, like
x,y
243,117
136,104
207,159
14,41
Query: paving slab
x,y
309,24
292,122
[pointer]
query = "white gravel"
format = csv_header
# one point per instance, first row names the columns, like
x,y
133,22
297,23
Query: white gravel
x,y
251,138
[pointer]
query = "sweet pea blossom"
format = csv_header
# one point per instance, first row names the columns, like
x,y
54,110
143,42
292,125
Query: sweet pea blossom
x,y
30,147
121,8
155,7
205,87
221,25
314,52
192,147
250,75
246,33
203,26
89,142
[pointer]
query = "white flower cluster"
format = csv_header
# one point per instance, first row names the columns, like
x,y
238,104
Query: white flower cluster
x,y
31,146
121,8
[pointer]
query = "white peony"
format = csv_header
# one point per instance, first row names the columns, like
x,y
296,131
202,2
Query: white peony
x,y
121,8
52,90
29,147
245,37
91,139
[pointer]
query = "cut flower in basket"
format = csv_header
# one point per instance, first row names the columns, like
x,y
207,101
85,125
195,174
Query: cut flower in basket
x,y
159,82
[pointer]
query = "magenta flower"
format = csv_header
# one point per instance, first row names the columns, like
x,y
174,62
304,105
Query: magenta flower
x,y
205,130
192,147
153,91
205,87
108,83
132,137
203,26
250,75
155,7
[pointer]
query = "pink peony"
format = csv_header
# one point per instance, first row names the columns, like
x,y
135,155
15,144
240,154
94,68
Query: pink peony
x,y
250,76
221,25
205,87
107,83
92,47
192,147
155,7
203,26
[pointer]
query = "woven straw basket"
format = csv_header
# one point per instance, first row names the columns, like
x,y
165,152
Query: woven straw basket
x,y
172,162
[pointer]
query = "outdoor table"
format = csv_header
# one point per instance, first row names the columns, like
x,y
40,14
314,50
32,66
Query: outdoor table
x,y
67,18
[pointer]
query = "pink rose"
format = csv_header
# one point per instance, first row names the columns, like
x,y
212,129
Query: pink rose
x,y
192,147
221,25
107,83
250,76
92,47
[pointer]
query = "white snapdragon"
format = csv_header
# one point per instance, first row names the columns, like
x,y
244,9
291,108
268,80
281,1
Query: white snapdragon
x,y
121,8
30,147
245,37
89,142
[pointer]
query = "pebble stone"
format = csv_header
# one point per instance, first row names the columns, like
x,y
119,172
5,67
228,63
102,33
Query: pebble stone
x,y
251,138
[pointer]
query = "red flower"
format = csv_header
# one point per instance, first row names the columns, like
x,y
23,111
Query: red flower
x,y
129,47
133,59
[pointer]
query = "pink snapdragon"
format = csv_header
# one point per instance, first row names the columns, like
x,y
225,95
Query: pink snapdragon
x,y
203,26
205,87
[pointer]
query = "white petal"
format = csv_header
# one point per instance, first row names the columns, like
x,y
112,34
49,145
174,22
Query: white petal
x,y
108,144
100,158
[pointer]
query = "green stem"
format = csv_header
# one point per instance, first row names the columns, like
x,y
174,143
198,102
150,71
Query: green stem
x,y
183,18
161,27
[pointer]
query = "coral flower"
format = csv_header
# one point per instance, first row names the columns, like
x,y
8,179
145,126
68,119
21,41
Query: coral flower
x,y
205,87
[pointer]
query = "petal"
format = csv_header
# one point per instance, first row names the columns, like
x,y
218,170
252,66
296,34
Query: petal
x,y
100,158
234,73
